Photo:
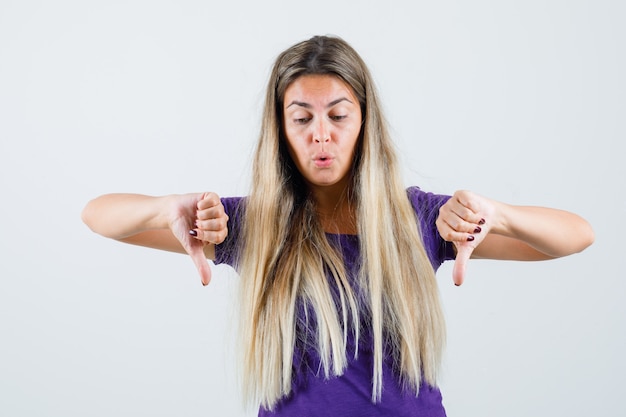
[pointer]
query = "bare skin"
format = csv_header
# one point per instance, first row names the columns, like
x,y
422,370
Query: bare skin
x,y
488,229
322,124
322,121
166,223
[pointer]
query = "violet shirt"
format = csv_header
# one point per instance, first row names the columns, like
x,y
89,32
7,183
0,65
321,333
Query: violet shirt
x,y
350,394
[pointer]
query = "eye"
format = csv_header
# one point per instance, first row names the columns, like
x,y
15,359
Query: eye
x,y
301,120
338,118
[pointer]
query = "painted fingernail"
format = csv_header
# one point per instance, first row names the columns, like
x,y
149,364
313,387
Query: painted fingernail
x,y
470,238
478,229
193,233
482,221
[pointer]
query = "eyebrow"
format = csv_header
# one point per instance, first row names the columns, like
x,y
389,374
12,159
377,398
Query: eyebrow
x,y
308,106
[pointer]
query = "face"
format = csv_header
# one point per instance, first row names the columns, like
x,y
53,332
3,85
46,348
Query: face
x,y
322,121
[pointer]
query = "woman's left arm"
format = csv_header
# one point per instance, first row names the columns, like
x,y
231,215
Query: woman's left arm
x,y
485,228
534,233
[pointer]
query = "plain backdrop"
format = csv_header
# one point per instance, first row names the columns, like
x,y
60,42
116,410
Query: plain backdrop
x,y
521,101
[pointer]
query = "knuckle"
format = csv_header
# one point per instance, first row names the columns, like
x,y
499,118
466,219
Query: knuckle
x,y
215,199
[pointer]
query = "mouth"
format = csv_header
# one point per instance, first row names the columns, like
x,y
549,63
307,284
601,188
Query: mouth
x,y
323,160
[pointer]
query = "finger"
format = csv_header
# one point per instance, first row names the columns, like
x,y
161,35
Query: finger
x,y
463,254
210,236
463,219
468,206
208,200
214,223
213,218
202,264
459,231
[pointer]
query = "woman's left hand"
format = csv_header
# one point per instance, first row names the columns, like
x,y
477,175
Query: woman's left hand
x,y
464,220
504,231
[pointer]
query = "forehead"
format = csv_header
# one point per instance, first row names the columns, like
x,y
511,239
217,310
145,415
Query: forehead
x,y
318,89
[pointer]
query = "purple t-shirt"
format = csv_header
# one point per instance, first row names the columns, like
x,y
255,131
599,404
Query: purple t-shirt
x,y
350,394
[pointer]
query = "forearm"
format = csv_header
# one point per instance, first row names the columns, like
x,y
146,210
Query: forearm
x,y
119,216
551,232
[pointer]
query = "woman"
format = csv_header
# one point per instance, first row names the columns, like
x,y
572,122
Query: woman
x,y
340,311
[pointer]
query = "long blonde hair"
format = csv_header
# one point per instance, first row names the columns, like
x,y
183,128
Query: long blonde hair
x,y
287,258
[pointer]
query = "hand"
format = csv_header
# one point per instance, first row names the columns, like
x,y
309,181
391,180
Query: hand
x,y
464,220
200,220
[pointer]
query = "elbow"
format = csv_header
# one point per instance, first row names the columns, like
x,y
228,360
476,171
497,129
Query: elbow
x,y
88,216
583,238
587,236
576,239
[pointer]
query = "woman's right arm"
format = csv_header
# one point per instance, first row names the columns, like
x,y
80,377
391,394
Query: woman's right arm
x,y
188,223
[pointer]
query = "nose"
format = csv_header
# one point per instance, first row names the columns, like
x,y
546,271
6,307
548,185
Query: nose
x,y
321,132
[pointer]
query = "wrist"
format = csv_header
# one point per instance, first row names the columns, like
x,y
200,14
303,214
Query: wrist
x,y
500,218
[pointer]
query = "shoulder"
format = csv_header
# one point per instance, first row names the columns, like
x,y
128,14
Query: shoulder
x,y
426,206
424,202
228,251
234,207
232,202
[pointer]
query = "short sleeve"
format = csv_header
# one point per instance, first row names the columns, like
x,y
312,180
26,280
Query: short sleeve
x,y
426,206
229,250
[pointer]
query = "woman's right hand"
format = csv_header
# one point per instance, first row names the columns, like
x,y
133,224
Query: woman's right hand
x,y
191,223
199,222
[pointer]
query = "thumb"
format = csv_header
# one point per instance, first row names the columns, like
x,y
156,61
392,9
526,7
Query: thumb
x,y
202,264
463,253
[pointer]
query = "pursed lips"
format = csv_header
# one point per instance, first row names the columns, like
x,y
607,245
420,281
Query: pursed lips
x,y
323,159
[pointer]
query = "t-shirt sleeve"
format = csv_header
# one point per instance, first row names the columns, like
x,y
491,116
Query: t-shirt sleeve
x,y
228,251
426,207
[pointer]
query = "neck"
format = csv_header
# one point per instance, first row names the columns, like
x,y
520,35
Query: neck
x,y
335,210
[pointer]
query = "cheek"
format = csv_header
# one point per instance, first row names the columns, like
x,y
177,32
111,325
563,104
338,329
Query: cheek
x,y
296,141
354,139
292,137
296,154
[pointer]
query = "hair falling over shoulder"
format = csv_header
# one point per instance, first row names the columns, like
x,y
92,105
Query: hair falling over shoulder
x,y
287,258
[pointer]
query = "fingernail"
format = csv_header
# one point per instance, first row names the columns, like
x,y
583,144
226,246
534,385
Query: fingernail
x,y
478,229
470,238
193,233
482,221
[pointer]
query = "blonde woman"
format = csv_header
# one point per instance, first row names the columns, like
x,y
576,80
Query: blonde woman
x,y
337,257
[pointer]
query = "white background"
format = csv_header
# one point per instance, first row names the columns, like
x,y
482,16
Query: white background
x,y
522,101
